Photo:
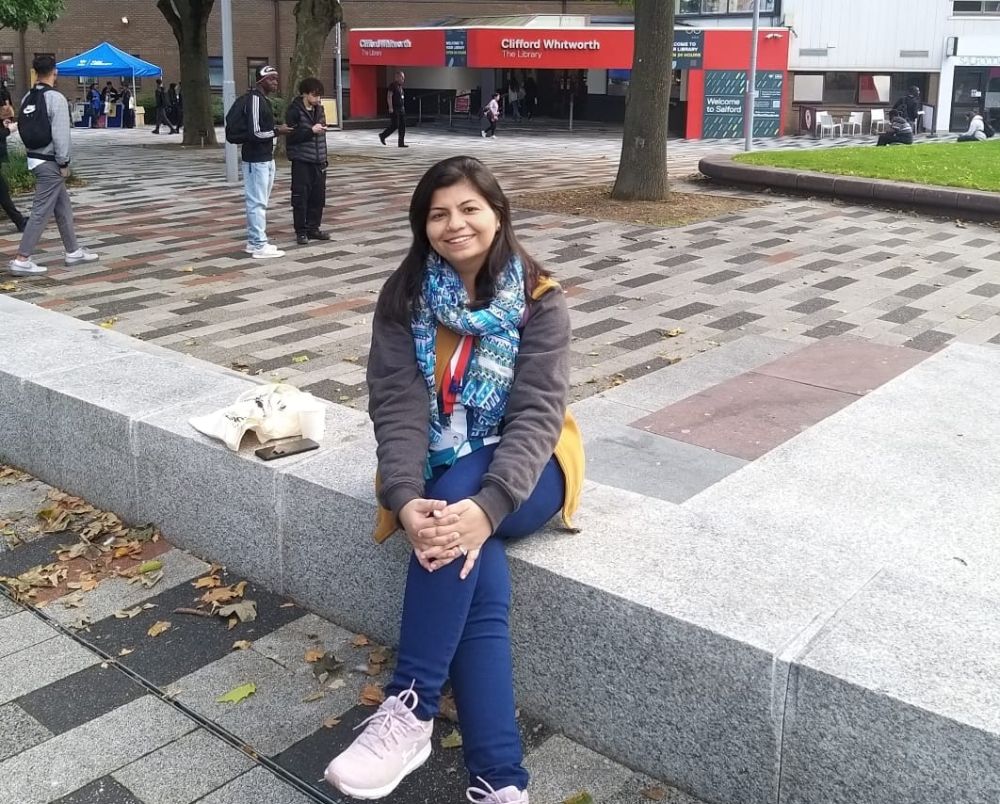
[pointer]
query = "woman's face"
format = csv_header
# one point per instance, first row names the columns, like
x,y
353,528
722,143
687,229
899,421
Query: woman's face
x,y
461,226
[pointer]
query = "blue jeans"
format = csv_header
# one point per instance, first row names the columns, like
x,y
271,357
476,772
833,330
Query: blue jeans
x,y
258,179
461,628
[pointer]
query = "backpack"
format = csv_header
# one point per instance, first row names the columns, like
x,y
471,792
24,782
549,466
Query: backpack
x,y
33,122
988,130
237,121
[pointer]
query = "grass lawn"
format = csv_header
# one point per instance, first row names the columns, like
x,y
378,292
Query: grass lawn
x,y
971,165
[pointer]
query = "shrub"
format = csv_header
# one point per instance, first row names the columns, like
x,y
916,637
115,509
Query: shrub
x,y
15,170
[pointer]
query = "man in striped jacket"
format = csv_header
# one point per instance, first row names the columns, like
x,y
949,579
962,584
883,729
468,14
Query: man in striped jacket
x,y
258,163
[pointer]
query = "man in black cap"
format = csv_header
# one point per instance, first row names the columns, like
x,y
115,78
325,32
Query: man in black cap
x,y
258,162
397,111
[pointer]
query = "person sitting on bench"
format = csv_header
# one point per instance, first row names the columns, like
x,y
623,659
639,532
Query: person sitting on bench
x,y
901,130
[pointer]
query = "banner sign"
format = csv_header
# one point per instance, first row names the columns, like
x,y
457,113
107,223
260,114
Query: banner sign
x,y
456,47
689,49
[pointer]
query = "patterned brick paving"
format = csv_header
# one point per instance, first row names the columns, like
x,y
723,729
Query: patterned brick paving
x,y
172,233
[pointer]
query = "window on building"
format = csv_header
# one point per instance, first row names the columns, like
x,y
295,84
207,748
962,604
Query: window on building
x,y
345,73
840,88
722,7
618,81
977,6
253,62
874,89
215,72
808,88
7,68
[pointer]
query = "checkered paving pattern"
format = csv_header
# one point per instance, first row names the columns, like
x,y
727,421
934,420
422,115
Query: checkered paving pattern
x,y
96,710
171,233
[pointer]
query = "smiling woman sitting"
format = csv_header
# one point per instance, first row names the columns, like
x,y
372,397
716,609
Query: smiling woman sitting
x,y
468,378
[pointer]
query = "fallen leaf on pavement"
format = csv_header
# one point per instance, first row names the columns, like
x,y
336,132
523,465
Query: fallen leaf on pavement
x,y
224,594
192,612
242,644
238,694
245,610
326,666
150,566
158,628
360,641
447,708
330,722
654,793
125,651
579,798
108,323
453,740
73,601
314,655
672,333
208,582
380,655
300,359
128,614
319,695
371,695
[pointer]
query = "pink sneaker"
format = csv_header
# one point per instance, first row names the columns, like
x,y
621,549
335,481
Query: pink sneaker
x,y
393,744
506,795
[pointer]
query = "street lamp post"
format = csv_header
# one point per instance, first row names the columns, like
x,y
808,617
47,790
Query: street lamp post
x,y
751,100
340,77
228,84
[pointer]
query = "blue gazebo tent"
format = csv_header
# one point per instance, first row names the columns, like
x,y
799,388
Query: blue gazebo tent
x,y
106,60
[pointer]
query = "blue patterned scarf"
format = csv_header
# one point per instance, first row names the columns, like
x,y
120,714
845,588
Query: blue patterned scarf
x,y
490,374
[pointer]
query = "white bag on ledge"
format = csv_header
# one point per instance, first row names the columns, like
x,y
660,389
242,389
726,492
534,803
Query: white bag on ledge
x,y
271,412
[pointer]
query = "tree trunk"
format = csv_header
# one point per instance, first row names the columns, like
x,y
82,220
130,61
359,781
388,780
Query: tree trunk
x,y
314,19
642,172
189,21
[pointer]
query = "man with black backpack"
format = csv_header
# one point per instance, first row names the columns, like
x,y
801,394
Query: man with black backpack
x,y
250,123
44,125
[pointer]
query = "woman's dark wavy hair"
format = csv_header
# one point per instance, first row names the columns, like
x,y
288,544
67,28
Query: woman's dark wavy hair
x,y
403,288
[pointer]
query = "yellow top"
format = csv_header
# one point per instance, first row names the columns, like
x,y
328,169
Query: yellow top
x,y
569,448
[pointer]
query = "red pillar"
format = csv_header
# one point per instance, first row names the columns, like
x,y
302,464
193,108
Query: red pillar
x,y
364,91
696,104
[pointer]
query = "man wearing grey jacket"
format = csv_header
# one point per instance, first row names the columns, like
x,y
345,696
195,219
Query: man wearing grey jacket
x,y
50,165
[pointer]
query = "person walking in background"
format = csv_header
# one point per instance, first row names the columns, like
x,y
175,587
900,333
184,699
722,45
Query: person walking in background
x,y
977,128
109,98
492,115
396,103
513,99
530,96
128,106
307,152
900,133
45,131
258,162
174,107
7,126
94,106
161,108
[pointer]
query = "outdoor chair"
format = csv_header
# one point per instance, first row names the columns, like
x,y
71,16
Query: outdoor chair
x,y
878,122
855,124
824,122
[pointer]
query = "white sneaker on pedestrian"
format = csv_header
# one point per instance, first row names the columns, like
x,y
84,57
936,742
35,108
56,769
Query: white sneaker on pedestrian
x,y
249,249
394,743
487,795
81,255
267,252
18,267
482,134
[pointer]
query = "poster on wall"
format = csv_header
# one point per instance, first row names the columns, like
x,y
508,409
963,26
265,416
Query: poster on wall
x,y
456,48
767,107
725,98
689,49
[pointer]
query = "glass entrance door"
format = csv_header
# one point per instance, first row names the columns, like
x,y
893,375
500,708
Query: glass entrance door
x,y
968,95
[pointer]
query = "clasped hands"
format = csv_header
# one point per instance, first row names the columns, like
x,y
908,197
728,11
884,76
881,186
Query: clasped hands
x,y
441,533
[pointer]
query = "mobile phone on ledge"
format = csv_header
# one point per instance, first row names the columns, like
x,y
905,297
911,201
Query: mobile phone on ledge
x,y
285,449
